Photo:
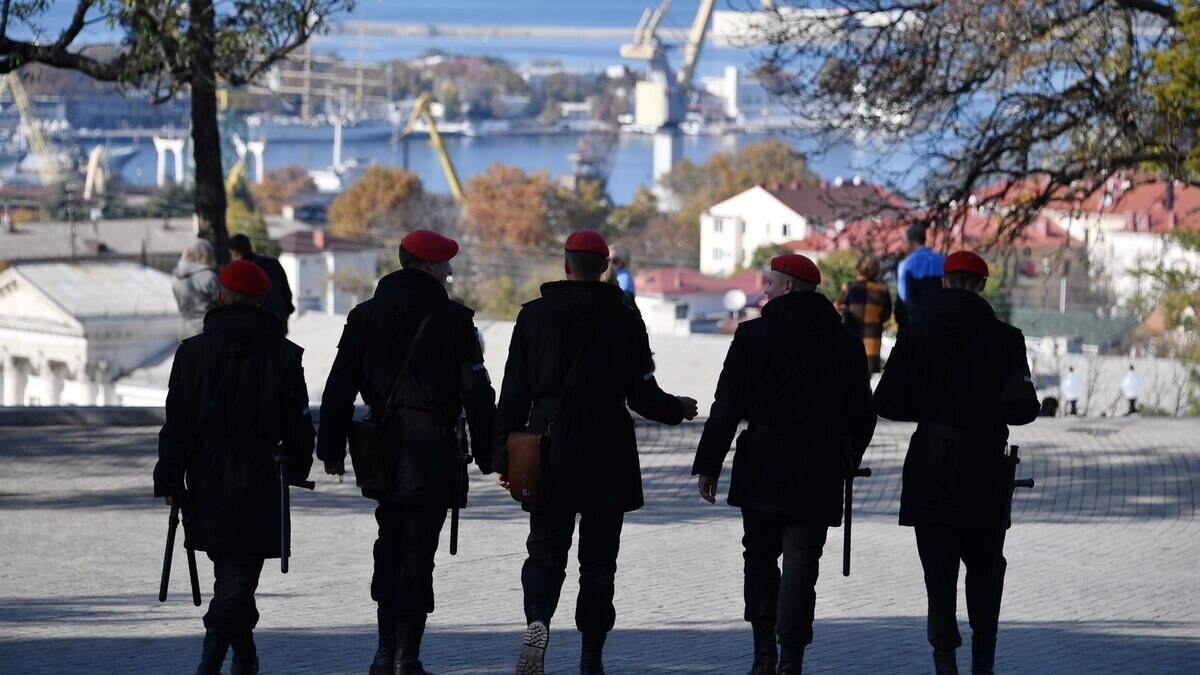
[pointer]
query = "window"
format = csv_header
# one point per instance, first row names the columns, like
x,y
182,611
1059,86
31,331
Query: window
x,y
718,254
786,230
681,310
743,227
718,225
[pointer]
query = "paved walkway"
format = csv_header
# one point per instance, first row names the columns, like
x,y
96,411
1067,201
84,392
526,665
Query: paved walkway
x,y
1103,573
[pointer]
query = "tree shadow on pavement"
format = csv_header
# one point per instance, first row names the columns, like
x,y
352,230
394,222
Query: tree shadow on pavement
x,y
883,645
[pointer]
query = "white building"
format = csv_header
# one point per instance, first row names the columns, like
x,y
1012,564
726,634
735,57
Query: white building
x,y
69,330
328,273
682,301
1124,228
732,230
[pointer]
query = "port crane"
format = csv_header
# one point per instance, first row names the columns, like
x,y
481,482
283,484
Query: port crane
x,y
50,168
661,99
421,109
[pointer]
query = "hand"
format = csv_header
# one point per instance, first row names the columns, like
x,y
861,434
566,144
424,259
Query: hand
x,y
168,501
337,468
689,407
708,489
502,481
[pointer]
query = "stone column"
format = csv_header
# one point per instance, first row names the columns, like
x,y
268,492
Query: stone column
x,y
14,380
257,148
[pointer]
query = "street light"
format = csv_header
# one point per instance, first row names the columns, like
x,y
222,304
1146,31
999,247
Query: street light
x,y
1131,387
1072,389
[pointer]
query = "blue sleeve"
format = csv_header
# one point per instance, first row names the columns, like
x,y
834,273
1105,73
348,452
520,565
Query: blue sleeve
x,y
625,282
901,274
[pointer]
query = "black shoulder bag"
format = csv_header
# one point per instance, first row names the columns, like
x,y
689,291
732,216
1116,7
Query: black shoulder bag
x,y
368,451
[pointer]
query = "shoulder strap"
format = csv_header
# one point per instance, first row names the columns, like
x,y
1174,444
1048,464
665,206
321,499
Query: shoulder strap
x,y
412,347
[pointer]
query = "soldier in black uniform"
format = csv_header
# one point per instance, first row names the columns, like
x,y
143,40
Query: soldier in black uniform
x,y
800,377
961,374
592,469
236,393
445,375
279,300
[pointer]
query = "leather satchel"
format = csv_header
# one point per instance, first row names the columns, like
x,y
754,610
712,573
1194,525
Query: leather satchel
x,y
529,453
368,449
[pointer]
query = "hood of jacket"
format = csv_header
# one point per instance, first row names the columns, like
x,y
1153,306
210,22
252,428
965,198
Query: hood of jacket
x,y
241,329
957,310
582,303
410,291
805,313
187,268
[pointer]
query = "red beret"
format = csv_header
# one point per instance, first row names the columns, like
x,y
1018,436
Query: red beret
x,y
965,261
429,246
587,241
246,278
796,265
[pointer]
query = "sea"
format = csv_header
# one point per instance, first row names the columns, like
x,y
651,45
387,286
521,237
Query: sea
x,y
632,162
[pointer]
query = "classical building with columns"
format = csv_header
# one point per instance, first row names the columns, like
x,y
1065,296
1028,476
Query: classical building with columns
x,y
68,331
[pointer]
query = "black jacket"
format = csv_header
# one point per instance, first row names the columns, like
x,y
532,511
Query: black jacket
x,y
593,463
800,377
236,393
961,374
279,300
445,376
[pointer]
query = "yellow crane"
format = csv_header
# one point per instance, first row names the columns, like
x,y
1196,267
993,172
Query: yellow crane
x,y
661,99
50,168
435,138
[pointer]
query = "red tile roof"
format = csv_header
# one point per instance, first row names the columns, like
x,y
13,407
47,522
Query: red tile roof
x,y
825,204
673,281
320,241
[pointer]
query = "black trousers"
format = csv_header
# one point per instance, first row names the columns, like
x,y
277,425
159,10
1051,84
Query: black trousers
x,y
232,611
941,548
404,551
545,569
787,601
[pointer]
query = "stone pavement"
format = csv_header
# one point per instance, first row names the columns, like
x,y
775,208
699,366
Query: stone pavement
x,y
1103,574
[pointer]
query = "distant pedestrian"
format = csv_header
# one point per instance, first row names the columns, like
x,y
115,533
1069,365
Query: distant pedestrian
x,y
578,362
194,283
865,304
236,404
800,378
279,302
919,276
619,261
961,375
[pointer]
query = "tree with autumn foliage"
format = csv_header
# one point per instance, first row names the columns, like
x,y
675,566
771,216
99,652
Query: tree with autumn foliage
x,y
508,206
725,174
280,185
375,201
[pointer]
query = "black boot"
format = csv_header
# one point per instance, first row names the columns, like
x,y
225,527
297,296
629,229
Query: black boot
x,y
983,654
213,654
791,660
385,654
766,656
944,662
408,647
533,649
245,656
591,656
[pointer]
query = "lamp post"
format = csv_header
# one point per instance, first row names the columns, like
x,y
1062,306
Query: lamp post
x,y
1072,389
1131,387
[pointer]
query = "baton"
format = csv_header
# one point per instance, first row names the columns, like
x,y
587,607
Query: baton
x,y
462,451
285,511
195,578
849,511
172,525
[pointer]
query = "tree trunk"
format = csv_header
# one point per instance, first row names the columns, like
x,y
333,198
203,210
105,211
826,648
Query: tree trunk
x,y
206,132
